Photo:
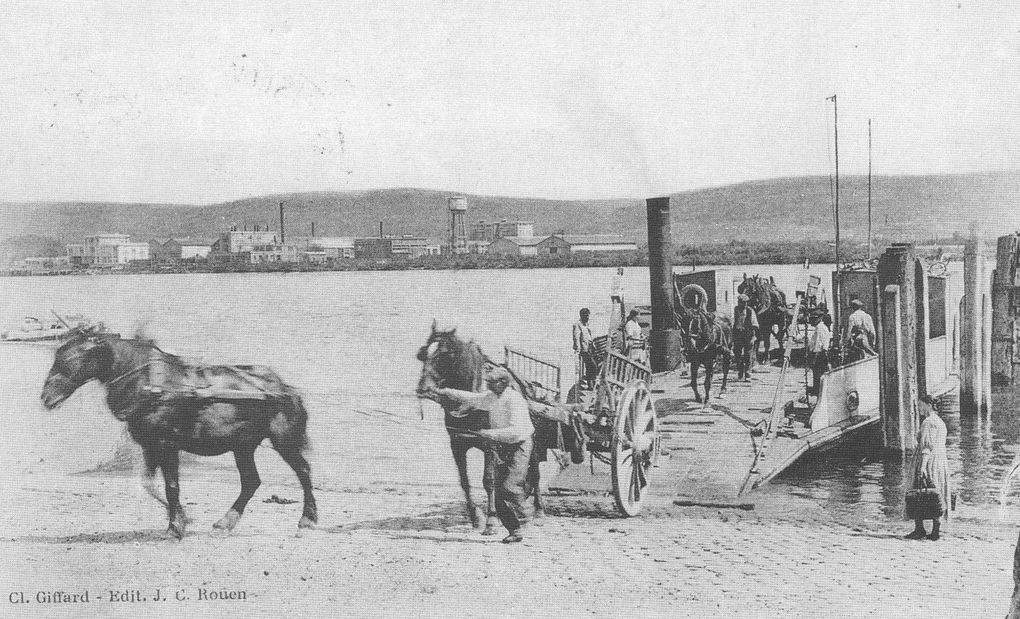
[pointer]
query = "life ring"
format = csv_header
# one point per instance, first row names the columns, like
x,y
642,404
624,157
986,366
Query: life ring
x,y
688,294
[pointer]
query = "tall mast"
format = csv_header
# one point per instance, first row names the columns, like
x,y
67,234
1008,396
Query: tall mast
x,y
835,284
869,189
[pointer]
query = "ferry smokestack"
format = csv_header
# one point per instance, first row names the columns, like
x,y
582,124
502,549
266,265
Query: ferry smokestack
x,y
660,271
282,237
313,229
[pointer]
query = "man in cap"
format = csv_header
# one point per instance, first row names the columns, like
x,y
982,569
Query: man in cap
x,y
860,329
511,430
583,344
745,328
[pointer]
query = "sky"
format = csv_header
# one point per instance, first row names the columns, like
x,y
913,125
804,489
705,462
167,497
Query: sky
x,y
201,102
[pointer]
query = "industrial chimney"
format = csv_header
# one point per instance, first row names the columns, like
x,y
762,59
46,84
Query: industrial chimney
x,y
282,238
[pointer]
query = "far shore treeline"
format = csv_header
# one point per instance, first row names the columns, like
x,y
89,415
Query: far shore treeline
x,y
731,253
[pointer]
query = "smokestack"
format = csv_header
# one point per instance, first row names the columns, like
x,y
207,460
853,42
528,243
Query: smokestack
x,y
282,237
660,270
313,229
380,229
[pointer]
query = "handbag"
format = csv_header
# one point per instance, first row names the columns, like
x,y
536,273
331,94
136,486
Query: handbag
x,y
925,503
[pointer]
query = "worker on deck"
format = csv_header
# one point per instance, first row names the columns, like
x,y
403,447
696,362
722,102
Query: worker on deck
x,y
635,338
860,330
745,328
818,351
583,345
511,431
616,287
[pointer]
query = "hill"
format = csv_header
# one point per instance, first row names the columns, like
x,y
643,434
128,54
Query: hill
x,y
787,209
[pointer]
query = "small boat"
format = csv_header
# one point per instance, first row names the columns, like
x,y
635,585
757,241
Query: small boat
x,y
33,329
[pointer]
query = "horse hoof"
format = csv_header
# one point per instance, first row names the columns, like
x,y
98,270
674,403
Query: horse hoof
x,y
227,522
176,532
539,513
306,523
489,531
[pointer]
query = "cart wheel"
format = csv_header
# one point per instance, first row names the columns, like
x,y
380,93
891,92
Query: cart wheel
x,y
634,448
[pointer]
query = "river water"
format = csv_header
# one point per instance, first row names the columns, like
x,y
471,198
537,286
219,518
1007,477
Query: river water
x,y
347,340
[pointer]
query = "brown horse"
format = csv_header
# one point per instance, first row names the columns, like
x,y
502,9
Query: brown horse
x,y
769,302
170,406
707,336
448,361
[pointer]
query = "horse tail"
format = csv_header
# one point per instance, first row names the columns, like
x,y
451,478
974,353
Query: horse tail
x,y
289,428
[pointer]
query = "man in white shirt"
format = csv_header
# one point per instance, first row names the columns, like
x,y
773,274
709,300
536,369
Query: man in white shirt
x,y
860,329
583,344
635,338
510,428
616,289
818,348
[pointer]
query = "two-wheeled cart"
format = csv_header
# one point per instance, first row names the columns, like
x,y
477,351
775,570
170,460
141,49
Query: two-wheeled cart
x,y
616,420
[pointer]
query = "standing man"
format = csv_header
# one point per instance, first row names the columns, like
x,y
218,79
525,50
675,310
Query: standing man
x,y
818,348
616,290
583,343
860,329
745,327
511,431
635,338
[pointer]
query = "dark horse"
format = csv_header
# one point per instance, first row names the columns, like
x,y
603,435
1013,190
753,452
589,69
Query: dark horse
x,y
448,361
707,336
769,302
233,409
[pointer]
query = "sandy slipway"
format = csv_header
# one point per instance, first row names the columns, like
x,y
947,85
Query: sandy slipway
x,y
403,548
393,540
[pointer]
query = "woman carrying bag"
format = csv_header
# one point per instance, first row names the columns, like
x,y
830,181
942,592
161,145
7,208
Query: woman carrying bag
x,y
928,496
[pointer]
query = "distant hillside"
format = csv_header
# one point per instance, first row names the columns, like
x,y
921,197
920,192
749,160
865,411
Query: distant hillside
x,y
789,209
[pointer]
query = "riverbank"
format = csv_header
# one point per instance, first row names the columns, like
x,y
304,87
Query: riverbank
x,y
684,256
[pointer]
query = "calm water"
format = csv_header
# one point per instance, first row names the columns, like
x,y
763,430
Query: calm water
x,y
348,341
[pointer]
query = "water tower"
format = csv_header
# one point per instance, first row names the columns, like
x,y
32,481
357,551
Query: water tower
x,y
458,232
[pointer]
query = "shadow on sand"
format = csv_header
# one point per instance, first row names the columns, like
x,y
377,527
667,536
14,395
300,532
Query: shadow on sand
x,y
104,537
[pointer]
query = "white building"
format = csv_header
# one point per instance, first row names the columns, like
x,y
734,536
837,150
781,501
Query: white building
x,y
110,249
247,240
330,247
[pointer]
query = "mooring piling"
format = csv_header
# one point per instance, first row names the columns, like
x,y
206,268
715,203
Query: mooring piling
x,y
975,344
1005,308
898,324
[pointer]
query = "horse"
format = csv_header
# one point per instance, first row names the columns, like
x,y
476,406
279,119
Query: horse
x,y
707,336
170,415
769,302
448,361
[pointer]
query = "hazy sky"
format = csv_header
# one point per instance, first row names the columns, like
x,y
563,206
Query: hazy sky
x,y
202,102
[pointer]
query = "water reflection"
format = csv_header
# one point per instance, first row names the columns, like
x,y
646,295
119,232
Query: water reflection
x,y
855,481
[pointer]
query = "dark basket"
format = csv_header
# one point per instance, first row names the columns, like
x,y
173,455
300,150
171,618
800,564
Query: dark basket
x,y
925,504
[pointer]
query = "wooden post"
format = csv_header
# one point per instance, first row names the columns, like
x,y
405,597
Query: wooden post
x,y
660,272
986,354
971,316
898,313
1004,344
892,406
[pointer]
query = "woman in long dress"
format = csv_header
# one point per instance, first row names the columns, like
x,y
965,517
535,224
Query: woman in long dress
x,y
930,467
